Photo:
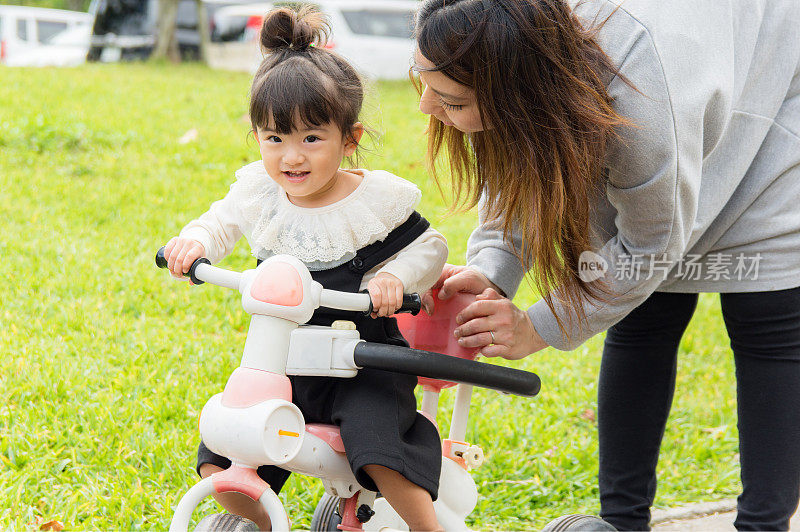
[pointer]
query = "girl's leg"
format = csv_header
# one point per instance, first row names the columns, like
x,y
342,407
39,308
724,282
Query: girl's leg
x,y
391,447
412,502
764,328
637,380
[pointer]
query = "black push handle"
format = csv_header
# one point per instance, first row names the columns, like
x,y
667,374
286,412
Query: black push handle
x,y
444,367
161,262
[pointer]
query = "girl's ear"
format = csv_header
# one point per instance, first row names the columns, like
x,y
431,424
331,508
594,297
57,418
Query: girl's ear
x,y
353,138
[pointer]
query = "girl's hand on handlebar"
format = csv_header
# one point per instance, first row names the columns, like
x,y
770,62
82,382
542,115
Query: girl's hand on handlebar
x,y
456,279
386,292
498,328
181,253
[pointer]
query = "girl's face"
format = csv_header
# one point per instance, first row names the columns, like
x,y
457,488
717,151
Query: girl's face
x,y
305,163
452,103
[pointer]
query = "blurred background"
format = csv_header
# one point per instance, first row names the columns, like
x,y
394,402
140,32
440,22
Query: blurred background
x,y
113,135
375,35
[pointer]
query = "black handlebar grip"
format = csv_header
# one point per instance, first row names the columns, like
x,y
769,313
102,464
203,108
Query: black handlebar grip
x,y
443,367
161,262
412,304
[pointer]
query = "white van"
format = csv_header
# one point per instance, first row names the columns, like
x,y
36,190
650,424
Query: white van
x,y
36,36
376,36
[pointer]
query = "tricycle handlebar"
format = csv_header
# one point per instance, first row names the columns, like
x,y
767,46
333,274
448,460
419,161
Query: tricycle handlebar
x,y
202,271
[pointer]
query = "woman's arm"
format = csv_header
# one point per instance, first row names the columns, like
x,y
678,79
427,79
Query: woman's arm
x,y
493,257
678,109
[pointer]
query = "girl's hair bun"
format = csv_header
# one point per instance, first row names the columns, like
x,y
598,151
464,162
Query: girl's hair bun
x,y
286,28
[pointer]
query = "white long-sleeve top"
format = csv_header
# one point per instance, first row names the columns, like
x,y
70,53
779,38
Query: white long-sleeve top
x,y
325,237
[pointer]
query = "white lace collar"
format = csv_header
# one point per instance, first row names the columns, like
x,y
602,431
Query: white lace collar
x,y
380,203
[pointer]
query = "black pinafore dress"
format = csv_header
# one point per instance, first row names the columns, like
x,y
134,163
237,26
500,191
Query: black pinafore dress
x,y
376,410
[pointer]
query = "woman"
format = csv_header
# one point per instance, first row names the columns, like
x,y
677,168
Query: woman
x,y
627,169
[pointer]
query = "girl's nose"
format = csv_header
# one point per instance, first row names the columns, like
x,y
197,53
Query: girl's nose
x,y
293,157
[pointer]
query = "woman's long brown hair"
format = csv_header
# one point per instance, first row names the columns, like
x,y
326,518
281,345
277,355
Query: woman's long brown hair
x,y
539,78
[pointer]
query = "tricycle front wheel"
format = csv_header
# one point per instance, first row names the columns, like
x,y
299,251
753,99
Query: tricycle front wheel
x,y
225,523
183,512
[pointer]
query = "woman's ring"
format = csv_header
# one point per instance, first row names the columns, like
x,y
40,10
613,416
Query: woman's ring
x,y
492,335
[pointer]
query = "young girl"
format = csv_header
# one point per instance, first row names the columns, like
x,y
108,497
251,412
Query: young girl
x,y
355,230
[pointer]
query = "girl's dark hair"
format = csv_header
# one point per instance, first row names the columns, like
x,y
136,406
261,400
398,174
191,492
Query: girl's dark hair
x,y
299,78
539,78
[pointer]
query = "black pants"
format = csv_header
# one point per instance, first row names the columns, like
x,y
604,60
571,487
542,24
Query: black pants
x,y
637,380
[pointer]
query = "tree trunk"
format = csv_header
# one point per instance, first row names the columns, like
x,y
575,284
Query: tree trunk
x,y
204,29
166,40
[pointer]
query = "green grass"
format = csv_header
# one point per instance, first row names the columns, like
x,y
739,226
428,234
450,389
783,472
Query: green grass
x,y
81,5
106,362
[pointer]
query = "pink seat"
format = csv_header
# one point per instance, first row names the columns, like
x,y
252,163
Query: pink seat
x,y
435,333
327,433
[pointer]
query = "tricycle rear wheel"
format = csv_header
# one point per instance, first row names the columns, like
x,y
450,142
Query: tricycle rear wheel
x,y
578,523
326,515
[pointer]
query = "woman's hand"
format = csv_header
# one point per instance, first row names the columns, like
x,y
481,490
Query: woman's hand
x,y
456,279
386,292
497,327
181,253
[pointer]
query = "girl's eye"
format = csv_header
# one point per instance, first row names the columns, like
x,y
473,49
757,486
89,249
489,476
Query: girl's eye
x,y
450,107
312,138
274,138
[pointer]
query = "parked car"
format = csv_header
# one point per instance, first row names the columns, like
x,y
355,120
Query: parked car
x,y
236,23
35,36
376,36
126,29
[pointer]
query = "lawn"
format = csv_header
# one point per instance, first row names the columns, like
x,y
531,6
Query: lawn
x,y
106,362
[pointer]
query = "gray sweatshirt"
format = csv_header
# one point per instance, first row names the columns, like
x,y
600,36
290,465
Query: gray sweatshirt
x,y
703,192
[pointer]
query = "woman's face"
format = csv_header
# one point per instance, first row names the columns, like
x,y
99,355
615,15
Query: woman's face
x,y
449,101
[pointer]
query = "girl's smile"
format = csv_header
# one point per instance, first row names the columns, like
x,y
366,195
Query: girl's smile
x,y
296,177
